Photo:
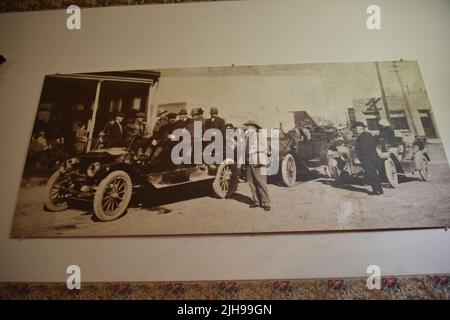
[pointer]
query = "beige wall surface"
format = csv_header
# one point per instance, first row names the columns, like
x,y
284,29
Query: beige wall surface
x,y
214,34
268,94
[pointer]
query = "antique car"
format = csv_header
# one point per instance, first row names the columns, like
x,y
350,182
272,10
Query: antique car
x,y
405,155
303,150
108,177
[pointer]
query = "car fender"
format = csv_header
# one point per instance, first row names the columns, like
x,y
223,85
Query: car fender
x,y
135,176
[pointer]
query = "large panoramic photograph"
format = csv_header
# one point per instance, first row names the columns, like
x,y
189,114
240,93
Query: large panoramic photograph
x,y
237,149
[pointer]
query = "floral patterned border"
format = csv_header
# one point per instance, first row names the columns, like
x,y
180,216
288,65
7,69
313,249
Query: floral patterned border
x,y
35,5
405,287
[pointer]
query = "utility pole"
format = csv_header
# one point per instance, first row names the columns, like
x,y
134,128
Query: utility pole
x,y
405,98
383,94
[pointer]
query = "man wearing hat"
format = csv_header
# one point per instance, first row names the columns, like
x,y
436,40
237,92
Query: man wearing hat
x,y
41,142
256,180
138,133
140,125
183,119
366,151
161,140
114,131
215,122
196,115
161,122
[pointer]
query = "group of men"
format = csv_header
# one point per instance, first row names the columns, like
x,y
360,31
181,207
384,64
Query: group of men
x,y
366,151
150,146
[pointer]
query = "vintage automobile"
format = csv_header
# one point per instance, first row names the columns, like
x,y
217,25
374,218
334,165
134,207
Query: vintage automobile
x,y
108,178
405,155
303,150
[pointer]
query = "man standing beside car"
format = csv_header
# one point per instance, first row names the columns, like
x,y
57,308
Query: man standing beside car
x,y
366,151
255,177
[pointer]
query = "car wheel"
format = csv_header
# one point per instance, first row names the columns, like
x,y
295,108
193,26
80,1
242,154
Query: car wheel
x,y
112,196
425,173
288,170
55,195
226,181
391,172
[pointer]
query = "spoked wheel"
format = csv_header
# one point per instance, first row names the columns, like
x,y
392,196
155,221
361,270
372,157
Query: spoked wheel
x,y
55,193
113,196
288,171
226,181
425,173
391,172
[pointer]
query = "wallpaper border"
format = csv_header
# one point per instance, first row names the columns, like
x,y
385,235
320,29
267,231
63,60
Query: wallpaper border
x,y
422,287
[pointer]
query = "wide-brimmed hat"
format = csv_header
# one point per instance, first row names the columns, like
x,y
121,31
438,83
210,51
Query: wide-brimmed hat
x,y
140,115
359,124
213,110
252,123
196,111
182,112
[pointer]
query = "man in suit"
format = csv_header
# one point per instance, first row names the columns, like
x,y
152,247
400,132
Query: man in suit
x,y
115,131
366,151
182,119
256,180
162,138
215,122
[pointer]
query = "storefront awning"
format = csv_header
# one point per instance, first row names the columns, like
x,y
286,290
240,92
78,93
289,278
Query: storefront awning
x,y
141,76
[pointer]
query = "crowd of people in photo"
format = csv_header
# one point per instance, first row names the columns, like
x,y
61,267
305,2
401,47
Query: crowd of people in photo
x,y
149,145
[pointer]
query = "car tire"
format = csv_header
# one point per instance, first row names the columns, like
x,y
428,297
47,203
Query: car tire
x,y
391,172
288,171
425,172
52,194
112,196
226,181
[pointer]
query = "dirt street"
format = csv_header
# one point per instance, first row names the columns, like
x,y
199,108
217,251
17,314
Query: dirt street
x,y
308,206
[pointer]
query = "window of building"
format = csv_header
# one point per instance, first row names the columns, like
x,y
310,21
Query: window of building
x,y
427,123
371,120
398,120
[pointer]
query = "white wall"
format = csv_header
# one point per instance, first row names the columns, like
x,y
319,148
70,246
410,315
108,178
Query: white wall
x,y
214,34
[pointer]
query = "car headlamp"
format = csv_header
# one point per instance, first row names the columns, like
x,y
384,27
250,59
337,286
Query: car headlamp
x,y
64,167
67,165
93,168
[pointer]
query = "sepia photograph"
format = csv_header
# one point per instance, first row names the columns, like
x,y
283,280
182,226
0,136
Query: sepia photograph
x,y
234,149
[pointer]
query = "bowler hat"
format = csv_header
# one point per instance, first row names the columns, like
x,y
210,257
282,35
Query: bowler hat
x,y
183,112
252,123
140,115
160,113
359,124
196,111
213,110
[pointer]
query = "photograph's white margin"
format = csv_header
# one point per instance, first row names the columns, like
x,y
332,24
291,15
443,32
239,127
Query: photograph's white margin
x,y
214,34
